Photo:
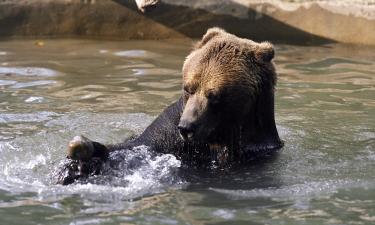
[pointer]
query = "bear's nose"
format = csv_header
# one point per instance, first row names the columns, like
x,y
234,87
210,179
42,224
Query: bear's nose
x,y
186,130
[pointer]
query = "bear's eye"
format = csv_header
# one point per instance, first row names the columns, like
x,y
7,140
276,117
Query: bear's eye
x,y
213,98
188,91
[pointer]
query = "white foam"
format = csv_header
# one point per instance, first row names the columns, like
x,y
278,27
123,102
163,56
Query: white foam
x,y
34,99
223,213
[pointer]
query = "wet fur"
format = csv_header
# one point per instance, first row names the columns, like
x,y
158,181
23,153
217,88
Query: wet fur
x,y
242,69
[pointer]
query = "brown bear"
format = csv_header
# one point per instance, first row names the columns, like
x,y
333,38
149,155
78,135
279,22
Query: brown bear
x,y
224,116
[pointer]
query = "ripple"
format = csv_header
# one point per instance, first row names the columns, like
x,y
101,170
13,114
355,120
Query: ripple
x,y
85,122
136,65
159,85
7,82
155,71
28,71
33,84
347,70
84,92
328,62
26,117
89,221
136,54
304,190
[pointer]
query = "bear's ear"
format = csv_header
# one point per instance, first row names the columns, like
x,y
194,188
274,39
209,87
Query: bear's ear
x,y
212,32
264,52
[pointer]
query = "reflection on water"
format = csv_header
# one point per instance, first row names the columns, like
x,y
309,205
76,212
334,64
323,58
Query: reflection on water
x,y
137,54
325,111
27,71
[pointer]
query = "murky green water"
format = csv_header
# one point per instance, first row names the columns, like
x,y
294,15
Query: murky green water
x,y
325,111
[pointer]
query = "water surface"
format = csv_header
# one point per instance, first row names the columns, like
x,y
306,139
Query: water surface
x,y
108,91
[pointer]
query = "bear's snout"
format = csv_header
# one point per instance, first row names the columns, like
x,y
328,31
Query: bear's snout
x,y
191,118
186,130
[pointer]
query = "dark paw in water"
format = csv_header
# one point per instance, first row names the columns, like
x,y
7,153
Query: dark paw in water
x,y
85,158
74,170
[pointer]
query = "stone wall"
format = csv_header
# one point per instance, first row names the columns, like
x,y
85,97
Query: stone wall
x,y
288,21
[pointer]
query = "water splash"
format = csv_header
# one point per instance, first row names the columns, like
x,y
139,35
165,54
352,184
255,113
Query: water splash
x,y
138,172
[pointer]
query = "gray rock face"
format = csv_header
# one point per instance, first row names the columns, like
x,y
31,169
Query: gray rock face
x,y
291,21
144,5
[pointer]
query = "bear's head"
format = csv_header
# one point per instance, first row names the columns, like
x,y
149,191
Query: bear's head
x,y
223,79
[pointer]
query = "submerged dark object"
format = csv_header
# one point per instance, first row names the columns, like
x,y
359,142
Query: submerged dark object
x,y
225,115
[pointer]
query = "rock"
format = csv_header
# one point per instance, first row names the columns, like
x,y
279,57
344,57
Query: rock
x,y
146,5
